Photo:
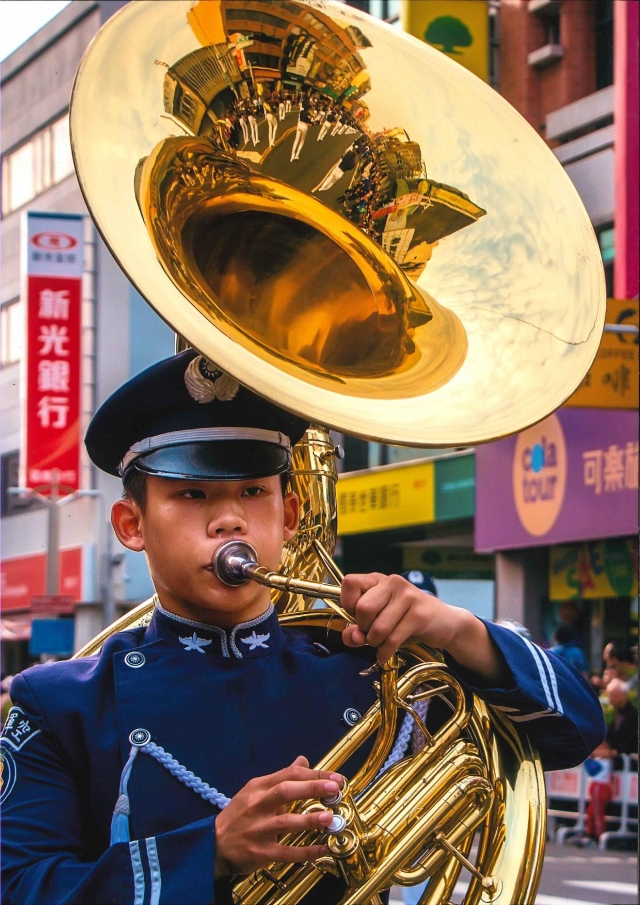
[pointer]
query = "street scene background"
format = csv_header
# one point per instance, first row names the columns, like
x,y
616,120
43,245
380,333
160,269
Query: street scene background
x,y
537,531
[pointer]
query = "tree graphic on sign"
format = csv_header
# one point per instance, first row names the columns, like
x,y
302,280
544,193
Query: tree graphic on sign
x,y
449,33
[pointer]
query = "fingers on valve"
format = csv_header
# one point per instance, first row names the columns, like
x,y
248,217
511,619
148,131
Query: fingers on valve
x,y
294,823
294,854
289,791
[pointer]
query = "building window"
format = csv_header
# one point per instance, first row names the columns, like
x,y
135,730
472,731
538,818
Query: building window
x,y
382,9
36,165
62,158
604,43
362,5
388,454
607,241
252,15
553,30
11,331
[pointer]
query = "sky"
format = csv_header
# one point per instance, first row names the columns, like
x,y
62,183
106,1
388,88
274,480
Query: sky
x,y
19,19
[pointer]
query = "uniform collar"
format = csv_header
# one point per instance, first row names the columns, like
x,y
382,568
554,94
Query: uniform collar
x,y
257,638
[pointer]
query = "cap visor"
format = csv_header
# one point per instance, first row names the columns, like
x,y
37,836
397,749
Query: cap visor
x,y
222,460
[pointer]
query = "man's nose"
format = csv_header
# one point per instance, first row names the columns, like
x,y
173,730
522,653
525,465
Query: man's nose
x,y
227,521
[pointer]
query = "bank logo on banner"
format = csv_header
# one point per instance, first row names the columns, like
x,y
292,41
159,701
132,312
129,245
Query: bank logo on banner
x,y
540,475
53,261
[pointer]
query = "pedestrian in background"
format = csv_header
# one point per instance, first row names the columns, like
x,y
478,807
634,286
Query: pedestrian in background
x,y
622,738
269,108
622,732
304,120
566,648
623,660
619,663
346,163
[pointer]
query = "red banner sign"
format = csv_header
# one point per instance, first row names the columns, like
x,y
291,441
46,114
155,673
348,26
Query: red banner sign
x,y
53,603
24,578
52,384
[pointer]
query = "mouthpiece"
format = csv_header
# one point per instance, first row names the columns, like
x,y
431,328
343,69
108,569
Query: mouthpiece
x,y
231,562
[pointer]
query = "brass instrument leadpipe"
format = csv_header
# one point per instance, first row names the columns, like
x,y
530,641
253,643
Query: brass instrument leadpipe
x,y
236,562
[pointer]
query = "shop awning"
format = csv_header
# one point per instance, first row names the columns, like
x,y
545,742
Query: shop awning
x,y
16,627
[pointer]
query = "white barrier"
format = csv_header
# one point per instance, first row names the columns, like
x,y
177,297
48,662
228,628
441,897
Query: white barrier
x,y
567,785
572,785
625,785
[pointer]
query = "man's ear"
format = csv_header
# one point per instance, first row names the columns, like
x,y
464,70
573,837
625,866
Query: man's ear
x,y
126,521
291,515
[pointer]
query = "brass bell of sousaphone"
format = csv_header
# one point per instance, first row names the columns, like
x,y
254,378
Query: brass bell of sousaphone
x,y
357,228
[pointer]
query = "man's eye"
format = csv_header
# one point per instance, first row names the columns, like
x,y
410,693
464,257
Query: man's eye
x,y
254,491
192,494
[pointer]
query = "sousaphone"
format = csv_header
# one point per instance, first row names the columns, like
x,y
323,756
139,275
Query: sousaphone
x,y
357,228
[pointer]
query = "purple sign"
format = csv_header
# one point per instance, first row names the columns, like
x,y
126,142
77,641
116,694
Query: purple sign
x,y
572,477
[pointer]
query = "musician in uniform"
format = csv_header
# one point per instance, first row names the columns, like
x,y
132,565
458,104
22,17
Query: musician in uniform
x,y
157,769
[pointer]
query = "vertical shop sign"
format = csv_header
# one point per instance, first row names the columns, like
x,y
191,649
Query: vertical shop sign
x,y
52,262
612,379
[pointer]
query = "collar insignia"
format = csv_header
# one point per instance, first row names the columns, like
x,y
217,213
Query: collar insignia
x,y
194,643
256,640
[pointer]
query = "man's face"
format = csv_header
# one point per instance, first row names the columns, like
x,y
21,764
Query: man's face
x,y
184,523
623,667
617,693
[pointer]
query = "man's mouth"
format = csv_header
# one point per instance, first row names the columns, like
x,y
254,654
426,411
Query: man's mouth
x,y
209,566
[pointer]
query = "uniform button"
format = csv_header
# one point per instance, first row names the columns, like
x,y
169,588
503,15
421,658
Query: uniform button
x,y
140,737
135,659
351,716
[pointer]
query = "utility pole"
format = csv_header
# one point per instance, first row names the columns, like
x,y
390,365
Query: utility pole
x,y
53,502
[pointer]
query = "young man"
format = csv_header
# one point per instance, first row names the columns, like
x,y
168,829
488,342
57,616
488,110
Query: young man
x,y
168,760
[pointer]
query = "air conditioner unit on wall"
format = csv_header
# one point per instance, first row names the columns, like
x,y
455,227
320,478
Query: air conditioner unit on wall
x,y
545,56
544,7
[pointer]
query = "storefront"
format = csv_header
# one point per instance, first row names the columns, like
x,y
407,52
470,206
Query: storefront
x,y
25,605
417,515
559,503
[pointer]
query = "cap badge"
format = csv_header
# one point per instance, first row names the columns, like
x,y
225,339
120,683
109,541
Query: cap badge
x,y
205,383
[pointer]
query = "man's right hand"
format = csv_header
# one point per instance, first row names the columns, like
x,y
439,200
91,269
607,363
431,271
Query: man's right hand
x,y
247,830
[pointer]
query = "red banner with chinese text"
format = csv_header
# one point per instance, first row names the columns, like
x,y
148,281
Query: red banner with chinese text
x,y
52,406
24,577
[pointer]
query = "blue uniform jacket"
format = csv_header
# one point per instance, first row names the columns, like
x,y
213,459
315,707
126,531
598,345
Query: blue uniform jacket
x,y
228,706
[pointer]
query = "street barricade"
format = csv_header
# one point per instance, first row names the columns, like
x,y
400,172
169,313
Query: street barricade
x,y
571,786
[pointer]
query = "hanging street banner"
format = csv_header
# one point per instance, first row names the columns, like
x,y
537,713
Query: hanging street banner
x,y
459,28
51,376
573,477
